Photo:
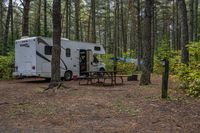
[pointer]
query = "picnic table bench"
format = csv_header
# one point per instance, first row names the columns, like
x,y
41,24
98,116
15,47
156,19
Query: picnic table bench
x,y
102,76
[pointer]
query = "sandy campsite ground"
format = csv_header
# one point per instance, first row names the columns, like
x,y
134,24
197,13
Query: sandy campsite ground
x,y
129,108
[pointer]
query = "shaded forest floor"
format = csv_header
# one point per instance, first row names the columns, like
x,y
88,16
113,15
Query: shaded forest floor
x,y
96,109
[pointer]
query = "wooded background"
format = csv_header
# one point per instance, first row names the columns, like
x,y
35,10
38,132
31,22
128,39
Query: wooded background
x,y
104,21
116,24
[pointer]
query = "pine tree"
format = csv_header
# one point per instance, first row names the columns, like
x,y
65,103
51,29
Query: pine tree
x,y
25,22
77,19
56,50
5,41
184,31
93,13
146,70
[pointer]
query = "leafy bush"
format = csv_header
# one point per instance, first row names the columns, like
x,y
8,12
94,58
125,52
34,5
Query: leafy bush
x,y
6,66
108,62
164,52
194,49
126,68
189,75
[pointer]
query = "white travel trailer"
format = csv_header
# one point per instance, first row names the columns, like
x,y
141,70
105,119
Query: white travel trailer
x,y
33,57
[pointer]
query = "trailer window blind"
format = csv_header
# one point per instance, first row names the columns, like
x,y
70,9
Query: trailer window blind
x,y
48,50
68,52
97,48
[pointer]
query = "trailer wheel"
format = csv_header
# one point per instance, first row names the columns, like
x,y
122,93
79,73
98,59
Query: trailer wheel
x,y
68,75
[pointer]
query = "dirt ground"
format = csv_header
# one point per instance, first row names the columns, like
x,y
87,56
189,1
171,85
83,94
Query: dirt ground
x,y
128,108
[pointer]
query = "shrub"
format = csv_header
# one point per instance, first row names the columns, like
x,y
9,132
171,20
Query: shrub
x,y
164,52
6,66
108,62
189,75
126,68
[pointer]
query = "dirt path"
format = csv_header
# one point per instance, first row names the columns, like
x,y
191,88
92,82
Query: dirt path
x,y
95,109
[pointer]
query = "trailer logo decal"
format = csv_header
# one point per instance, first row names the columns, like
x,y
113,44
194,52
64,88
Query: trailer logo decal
x,y
24,45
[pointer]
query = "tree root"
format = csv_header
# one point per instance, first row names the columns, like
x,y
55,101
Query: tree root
x,y
55,86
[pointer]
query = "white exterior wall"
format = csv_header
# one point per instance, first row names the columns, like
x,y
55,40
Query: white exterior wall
x,y
25,57
34,55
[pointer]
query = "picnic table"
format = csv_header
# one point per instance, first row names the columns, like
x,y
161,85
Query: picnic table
x,y
100,77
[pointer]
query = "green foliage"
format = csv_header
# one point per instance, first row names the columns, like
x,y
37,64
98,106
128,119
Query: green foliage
x,y
107,60
126,68
194,49
164,52
189,75
6,66
128,54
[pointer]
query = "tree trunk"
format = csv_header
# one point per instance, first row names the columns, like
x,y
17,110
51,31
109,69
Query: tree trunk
x,y
178,29
196,20
25,22
191,20
117,28
55,64
45,18
5,41
81,31
173,25
69,22
105,34
139,35
153,36
17,25
1,26
184,31
67,18
109,36
88,28
93,13
12,29
99,28
115,36
146,70
77,19
37,32
123,25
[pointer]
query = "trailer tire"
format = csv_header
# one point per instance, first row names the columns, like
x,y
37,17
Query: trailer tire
x,y
68,75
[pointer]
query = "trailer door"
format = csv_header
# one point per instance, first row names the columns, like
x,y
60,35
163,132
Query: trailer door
x,y
89,59
82,62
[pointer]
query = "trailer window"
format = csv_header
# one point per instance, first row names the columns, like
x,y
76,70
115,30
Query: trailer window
x,y
97,48
48,50
68,52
